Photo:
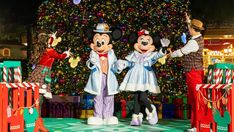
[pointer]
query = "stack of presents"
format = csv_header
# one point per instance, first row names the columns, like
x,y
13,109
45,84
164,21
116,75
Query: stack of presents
x,y
167,108
80,106
215,99
220,77
18,100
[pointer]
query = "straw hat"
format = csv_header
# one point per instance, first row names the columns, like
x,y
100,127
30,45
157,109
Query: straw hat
x,y
197,24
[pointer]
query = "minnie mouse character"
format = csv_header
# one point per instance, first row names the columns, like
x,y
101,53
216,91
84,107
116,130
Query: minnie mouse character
x,y
102,81
141,78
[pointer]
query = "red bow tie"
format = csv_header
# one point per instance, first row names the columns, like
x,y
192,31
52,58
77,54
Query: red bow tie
x,y
104,55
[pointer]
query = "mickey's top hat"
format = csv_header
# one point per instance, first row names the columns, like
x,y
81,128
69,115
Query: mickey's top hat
x,y
102,28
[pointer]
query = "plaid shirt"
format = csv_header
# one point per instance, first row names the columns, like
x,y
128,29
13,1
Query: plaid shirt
x,y
194,59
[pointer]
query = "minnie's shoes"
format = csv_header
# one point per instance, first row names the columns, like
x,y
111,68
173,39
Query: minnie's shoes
x,y
152,117
136,119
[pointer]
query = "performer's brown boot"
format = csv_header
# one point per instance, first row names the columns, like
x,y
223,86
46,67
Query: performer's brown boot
x,y
40,125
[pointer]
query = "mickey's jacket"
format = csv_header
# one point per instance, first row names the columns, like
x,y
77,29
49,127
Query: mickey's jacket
x,y
95,78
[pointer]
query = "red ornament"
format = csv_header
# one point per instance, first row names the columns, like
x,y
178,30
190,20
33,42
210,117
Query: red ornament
x,y
61,81
99,14
61,94
130,9
52,75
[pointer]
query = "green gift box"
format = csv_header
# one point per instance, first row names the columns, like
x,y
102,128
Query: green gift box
x,y
182,110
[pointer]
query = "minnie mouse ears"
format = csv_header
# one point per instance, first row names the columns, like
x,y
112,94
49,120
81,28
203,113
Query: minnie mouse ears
x,y
133,37
89,33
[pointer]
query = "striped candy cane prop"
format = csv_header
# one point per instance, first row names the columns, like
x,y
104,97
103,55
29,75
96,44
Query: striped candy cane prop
x,y
218,75
17,75
209,76
232,76
228,76
4,74
9,75
211,86
22,85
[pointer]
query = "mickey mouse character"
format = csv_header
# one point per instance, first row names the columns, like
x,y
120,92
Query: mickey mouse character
x,y
141,78
102,80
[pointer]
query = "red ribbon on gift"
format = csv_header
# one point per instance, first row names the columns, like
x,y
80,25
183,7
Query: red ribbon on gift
x,y
123,108
179,108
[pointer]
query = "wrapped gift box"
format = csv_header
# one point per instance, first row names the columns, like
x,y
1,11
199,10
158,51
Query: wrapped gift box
x,y
61,107
225,72
124,109
178,108
186,111
87,101
85,114
159,108
168,111
182,110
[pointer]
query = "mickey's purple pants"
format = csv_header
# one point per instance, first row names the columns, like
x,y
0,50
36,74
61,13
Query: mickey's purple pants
x,y
104,103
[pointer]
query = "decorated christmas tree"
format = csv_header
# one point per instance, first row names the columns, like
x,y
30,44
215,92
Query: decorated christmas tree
x,y
71,19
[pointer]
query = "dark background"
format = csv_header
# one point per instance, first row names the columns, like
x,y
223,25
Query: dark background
x,y
213,11
23,12
18,13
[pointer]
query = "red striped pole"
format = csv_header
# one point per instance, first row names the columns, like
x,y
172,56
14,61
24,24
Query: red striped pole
x,y
4,74
9,75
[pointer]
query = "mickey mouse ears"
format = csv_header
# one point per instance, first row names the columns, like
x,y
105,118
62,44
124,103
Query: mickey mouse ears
x,y
116,33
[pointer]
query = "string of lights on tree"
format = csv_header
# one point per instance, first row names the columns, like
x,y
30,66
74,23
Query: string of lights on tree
x,y
72,18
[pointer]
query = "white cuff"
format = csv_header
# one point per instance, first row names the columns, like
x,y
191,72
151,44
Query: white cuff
x,y
160,51
67,54
177,53
188,21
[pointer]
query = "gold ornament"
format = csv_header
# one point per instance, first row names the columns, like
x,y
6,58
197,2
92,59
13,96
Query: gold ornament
x,y
218,104
21,111
57,86
74,61
209,105
162,60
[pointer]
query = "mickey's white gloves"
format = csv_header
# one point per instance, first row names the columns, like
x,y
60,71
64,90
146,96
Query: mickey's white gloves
x,y
165,42
121,64
93,60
